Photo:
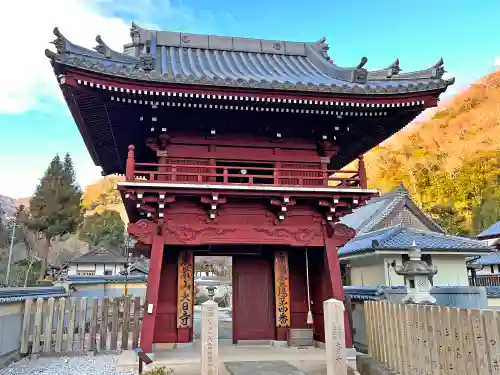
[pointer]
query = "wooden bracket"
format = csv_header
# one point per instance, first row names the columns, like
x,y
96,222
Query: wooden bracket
x,y
283,204
213,201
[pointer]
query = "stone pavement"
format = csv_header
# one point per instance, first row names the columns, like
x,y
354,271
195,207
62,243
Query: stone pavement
x,y
262,368
225,323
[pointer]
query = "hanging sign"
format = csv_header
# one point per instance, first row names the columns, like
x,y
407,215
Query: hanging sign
x,y
185,295
282,289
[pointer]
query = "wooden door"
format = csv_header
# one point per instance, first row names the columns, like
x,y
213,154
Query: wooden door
x,y
253,299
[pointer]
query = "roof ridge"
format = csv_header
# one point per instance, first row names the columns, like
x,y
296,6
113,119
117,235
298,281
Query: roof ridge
x,y
372,222
365,235
437,234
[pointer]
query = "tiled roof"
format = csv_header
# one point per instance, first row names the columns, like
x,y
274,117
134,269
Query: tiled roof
x,y
242,62
401,238
11,295
365,293
365,218
104,279
375,293
486,260
493,291
99,256
494,230
139,266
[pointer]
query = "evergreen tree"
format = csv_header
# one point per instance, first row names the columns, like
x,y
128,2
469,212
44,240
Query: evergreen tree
x,y
104,229
55,208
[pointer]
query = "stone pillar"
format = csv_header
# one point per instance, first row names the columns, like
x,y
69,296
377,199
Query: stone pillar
x,y
335,347
209,338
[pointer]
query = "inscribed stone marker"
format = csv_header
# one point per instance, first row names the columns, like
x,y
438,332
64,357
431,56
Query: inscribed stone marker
x,y
336,361
209,338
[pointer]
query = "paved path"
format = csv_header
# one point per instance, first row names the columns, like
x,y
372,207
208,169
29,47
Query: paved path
x,y
262,368
225,323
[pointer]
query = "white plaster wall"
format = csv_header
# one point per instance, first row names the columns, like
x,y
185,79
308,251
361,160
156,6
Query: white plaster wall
x,y
72,269
368,274
452,270
99,269
487,270
391,277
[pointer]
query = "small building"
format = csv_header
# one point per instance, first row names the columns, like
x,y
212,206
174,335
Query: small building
x,y
491,236
97,262
386,227
138,267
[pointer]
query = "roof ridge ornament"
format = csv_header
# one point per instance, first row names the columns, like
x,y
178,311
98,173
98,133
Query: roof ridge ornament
x,y
135,33
147,61
102,47
61,43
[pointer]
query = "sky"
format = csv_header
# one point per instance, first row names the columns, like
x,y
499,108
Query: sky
x,y
35,123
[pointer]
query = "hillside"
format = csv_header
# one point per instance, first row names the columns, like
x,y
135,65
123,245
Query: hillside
x,y
450,160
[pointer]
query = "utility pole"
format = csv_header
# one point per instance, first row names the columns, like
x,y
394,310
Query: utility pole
x,y
10,250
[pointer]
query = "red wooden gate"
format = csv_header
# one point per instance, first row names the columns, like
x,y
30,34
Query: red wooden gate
x,y
253,299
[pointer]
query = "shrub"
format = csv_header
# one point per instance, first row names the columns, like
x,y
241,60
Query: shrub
x,y
159,371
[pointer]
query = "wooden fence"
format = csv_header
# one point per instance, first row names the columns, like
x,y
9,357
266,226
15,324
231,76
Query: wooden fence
x,y
67,325
433,340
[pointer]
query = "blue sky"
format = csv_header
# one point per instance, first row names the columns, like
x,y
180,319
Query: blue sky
x,y
35,123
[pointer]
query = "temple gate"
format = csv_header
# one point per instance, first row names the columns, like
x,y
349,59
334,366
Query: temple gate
x,y
235,146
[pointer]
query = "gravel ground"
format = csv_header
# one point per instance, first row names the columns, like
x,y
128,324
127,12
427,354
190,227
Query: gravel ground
x,y
77,365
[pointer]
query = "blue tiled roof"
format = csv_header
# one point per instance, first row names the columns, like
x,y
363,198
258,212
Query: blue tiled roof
x,y
493,291
486,260
491,231
104,279
11,295
398,237
365,293
375,293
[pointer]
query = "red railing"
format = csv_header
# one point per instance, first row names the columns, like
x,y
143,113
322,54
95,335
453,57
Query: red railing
x,y
200,171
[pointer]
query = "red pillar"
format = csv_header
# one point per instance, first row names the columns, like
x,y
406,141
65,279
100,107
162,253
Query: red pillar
x,y
155,263
335,236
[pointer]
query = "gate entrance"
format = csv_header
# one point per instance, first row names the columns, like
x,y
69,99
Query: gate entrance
x,y
242,286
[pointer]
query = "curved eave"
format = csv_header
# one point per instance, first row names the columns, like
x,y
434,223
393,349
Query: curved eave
x,y
128,72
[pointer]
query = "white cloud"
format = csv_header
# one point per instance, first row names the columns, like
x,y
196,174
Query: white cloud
x,y
29,80
496,63
25,173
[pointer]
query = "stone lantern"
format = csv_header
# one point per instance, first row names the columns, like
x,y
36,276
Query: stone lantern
x,y
417,274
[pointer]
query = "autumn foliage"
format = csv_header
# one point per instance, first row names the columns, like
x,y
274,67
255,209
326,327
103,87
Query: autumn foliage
x,y
450,162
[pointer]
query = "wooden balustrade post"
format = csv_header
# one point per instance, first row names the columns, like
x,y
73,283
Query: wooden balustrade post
x,y
363,183
130,166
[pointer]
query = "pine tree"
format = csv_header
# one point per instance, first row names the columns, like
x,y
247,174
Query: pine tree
x,y
55,208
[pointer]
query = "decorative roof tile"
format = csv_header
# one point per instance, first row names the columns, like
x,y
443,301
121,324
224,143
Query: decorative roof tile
x,y
401,238
241,62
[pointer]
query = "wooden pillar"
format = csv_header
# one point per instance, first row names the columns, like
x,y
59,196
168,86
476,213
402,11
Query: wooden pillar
x,y
148,323
282,294
335,236
162,161
130,164
363,183
185,296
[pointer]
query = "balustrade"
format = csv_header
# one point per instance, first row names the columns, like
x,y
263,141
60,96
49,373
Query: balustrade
x,y
199,171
